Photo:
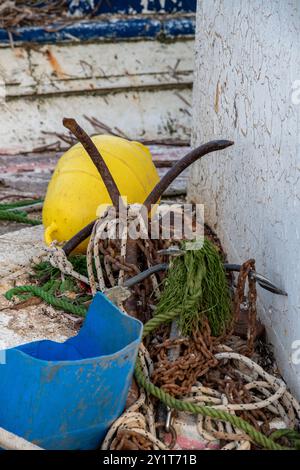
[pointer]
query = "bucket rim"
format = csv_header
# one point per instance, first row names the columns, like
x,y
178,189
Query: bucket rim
x,y
84,361
108,357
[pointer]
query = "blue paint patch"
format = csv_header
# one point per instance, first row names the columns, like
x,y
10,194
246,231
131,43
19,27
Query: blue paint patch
x,y
130,6
173,6
90,30
148,28
179,27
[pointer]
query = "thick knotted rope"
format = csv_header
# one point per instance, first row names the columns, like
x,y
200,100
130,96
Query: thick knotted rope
x,y
111,226
58,259
138,420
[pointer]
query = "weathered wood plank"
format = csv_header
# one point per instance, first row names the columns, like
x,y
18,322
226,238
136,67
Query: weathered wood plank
x,y
163,156
141,87
139,114
95,67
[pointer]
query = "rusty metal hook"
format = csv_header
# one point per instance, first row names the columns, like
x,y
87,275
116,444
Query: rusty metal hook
x,y
181,165
96,158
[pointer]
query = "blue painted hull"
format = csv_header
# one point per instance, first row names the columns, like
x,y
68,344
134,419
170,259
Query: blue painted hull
x,y
132,28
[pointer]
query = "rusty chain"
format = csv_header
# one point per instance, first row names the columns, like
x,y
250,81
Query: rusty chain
x,y
195,359
225,379
250,299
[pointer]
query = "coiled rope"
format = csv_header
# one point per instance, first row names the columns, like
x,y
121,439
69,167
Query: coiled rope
x,y
209,411
133,421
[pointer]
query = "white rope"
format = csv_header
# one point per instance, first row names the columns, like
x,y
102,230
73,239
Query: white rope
x,y
278,401
106,227
109,226
277,383
58,259
140,423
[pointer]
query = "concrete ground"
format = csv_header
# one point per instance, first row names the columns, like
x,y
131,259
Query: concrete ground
x,y
21,322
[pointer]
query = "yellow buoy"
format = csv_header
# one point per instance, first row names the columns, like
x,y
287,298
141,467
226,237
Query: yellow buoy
x,y
76,188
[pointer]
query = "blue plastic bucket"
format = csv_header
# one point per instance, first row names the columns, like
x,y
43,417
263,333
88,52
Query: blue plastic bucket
x,y
66,395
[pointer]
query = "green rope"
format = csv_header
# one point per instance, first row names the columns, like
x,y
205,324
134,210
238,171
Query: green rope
x,y
157,320
62,304
290,434
18,216
22,203
6,212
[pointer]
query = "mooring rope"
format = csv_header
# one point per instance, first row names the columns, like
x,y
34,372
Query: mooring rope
x,y
239,440
236,430
274,381
58,259
182,405
110,226
50,299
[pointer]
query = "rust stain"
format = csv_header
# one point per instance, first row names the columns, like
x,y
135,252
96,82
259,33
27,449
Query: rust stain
x,y
19,52
50,372
217,97
56,67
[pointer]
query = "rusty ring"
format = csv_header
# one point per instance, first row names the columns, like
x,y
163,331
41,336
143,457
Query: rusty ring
x,y
172,431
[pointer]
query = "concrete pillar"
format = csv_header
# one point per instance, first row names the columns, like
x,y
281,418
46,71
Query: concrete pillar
x,y
247,88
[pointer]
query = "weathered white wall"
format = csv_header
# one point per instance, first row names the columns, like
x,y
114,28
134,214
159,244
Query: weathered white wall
x,y
247,59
